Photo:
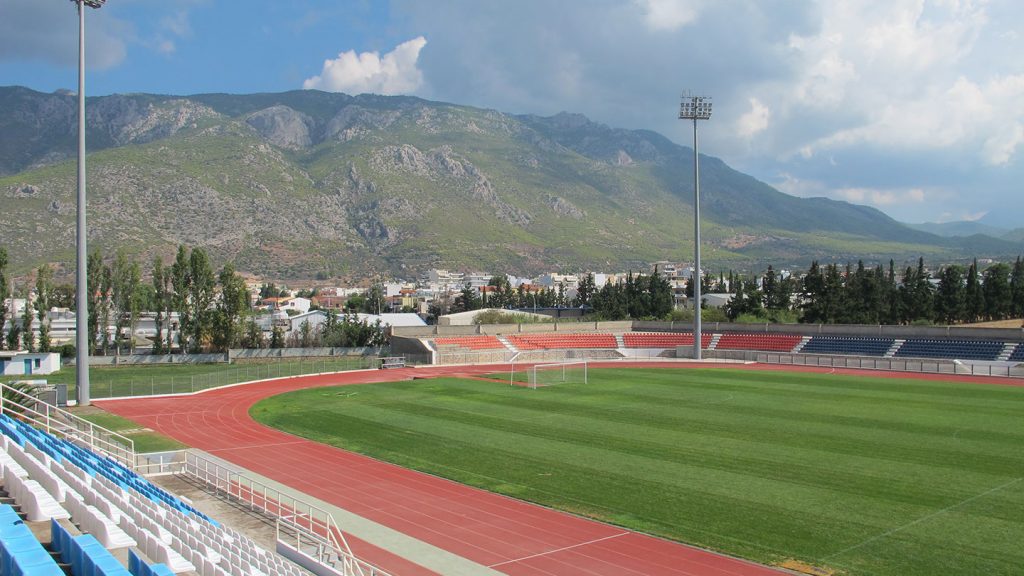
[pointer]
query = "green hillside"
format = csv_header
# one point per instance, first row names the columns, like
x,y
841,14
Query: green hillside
x,y
305,183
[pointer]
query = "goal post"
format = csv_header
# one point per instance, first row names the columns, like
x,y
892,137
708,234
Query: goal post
x,y
568,372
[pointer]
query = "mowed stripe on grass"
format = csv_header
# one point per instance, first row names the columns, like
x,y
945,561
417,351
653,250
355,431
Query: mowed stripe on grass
x,y
866,475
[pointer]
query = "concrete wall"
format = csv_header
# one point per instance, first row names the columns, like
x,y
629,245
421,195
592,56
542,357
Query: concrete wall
x,y
1001,334
262,353
495,329
401,346
141,359
231,356
871,330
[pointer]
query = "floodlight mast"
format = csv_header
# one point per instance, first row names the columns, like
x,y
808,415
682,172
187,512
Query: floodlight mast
x,y
695,108
82,335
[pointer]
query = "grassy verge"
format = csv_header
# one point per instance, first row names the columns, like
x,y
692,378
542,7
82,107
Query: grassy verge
x,y
145,440
861,475
135,380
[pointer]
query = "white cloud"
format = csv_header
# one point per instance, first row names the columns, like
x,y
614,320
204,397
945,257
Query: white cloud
x,y
166,47
394,73
972,217
872,196
755,120
796,186
987,119
881,198
173,26
893,74
668,15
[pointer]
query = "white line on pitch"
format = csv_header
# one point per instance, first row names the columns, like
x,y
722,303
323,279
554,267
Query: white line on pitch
x,y
558,549
923,518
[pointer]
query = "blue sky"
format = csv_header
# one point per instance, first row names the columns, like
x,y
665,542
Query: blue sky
x,y
915,107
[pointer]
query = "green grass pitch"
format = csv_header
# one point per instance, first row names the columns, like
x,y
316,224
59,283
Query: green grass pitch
x,y
862,475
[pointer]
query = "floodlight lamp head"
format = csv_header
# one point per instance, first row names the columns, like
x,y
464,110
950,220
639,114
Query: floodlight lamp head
x,y
91,3
695,107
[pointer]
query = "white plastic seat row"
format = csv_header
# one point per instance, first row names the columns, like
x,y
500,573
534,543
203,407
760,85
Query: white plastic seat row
x,y
105,509
35,501
74,481
95,522
156,549
10,465
224,548
36,463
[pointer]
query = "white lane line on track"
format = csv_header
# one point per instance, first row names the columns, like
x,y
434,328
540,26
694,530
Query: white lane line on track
x,y
257,446
558,549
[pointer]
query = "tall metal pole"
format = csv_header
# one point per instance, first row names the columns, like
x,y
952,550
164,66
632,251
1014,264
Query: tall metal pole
x,y
81,272
696,108
696,247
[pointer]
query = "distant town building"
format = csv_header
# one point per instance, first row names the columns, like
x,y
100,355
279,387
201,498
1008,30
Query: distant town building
x,y
14,363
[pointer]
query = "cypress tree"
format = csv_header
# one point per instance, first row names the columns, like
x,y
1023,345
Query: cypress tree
x,y
950,300
769,289
812,295
996,287
44,293
1017,289
974,297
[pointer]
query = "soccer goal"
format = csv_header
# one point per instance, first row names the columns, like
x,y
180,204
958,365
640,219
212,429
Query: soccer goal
x,y
571,371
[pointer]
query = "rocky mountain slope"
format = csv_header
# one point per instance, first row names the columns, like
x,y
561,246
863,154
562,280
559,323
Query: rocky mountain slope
x,y
309,183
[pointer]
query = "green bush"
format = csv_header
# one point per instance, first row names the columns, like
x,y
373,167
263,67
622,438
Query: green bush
x,y
502,317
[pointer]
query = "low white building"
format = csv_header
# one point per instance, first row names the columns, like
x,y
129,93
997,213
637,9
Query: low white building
x,y
14,363
714,300
318,317
554,279
298,304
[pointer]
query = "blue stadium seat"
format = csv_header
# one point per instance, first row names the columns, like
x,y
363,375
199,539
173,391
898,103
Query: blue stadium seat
x,y
93,464
848,345
21,554
138,567
950,349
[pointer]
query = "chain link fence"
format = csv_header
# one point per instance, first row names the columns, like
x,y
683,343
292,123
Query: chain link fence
x,y
115,387
924,366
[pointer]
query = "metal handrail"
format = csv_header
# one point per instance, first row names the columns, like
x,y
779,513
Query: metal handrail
x,y
311,524
98,438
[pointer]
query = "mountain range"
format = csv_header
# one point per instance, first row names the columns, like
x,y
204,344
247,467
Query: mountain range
x,y
307,183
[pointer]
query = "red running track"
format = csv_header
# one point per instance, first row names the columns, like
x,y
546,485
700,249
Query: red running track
x,y
508,535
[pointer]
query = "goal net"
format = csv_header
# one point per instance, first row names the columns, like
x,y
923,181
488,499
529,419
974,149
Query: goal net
x,y
569,372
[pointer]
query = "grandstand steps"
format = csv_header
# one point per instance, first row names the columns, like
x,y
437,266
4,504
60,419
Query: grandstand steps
x,y
896,344
619,342
507,343
800,346
1008,349
714,341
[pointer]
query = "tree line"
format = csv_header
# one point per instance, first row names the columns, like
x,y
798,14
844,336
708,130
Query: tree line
x,y
859,295
213,309
20,335
826,294
638,296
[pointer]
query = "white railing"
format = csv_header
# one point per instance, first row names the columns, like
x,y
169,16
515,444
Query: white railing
x,y
163,463
308,528
62,423
921,365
